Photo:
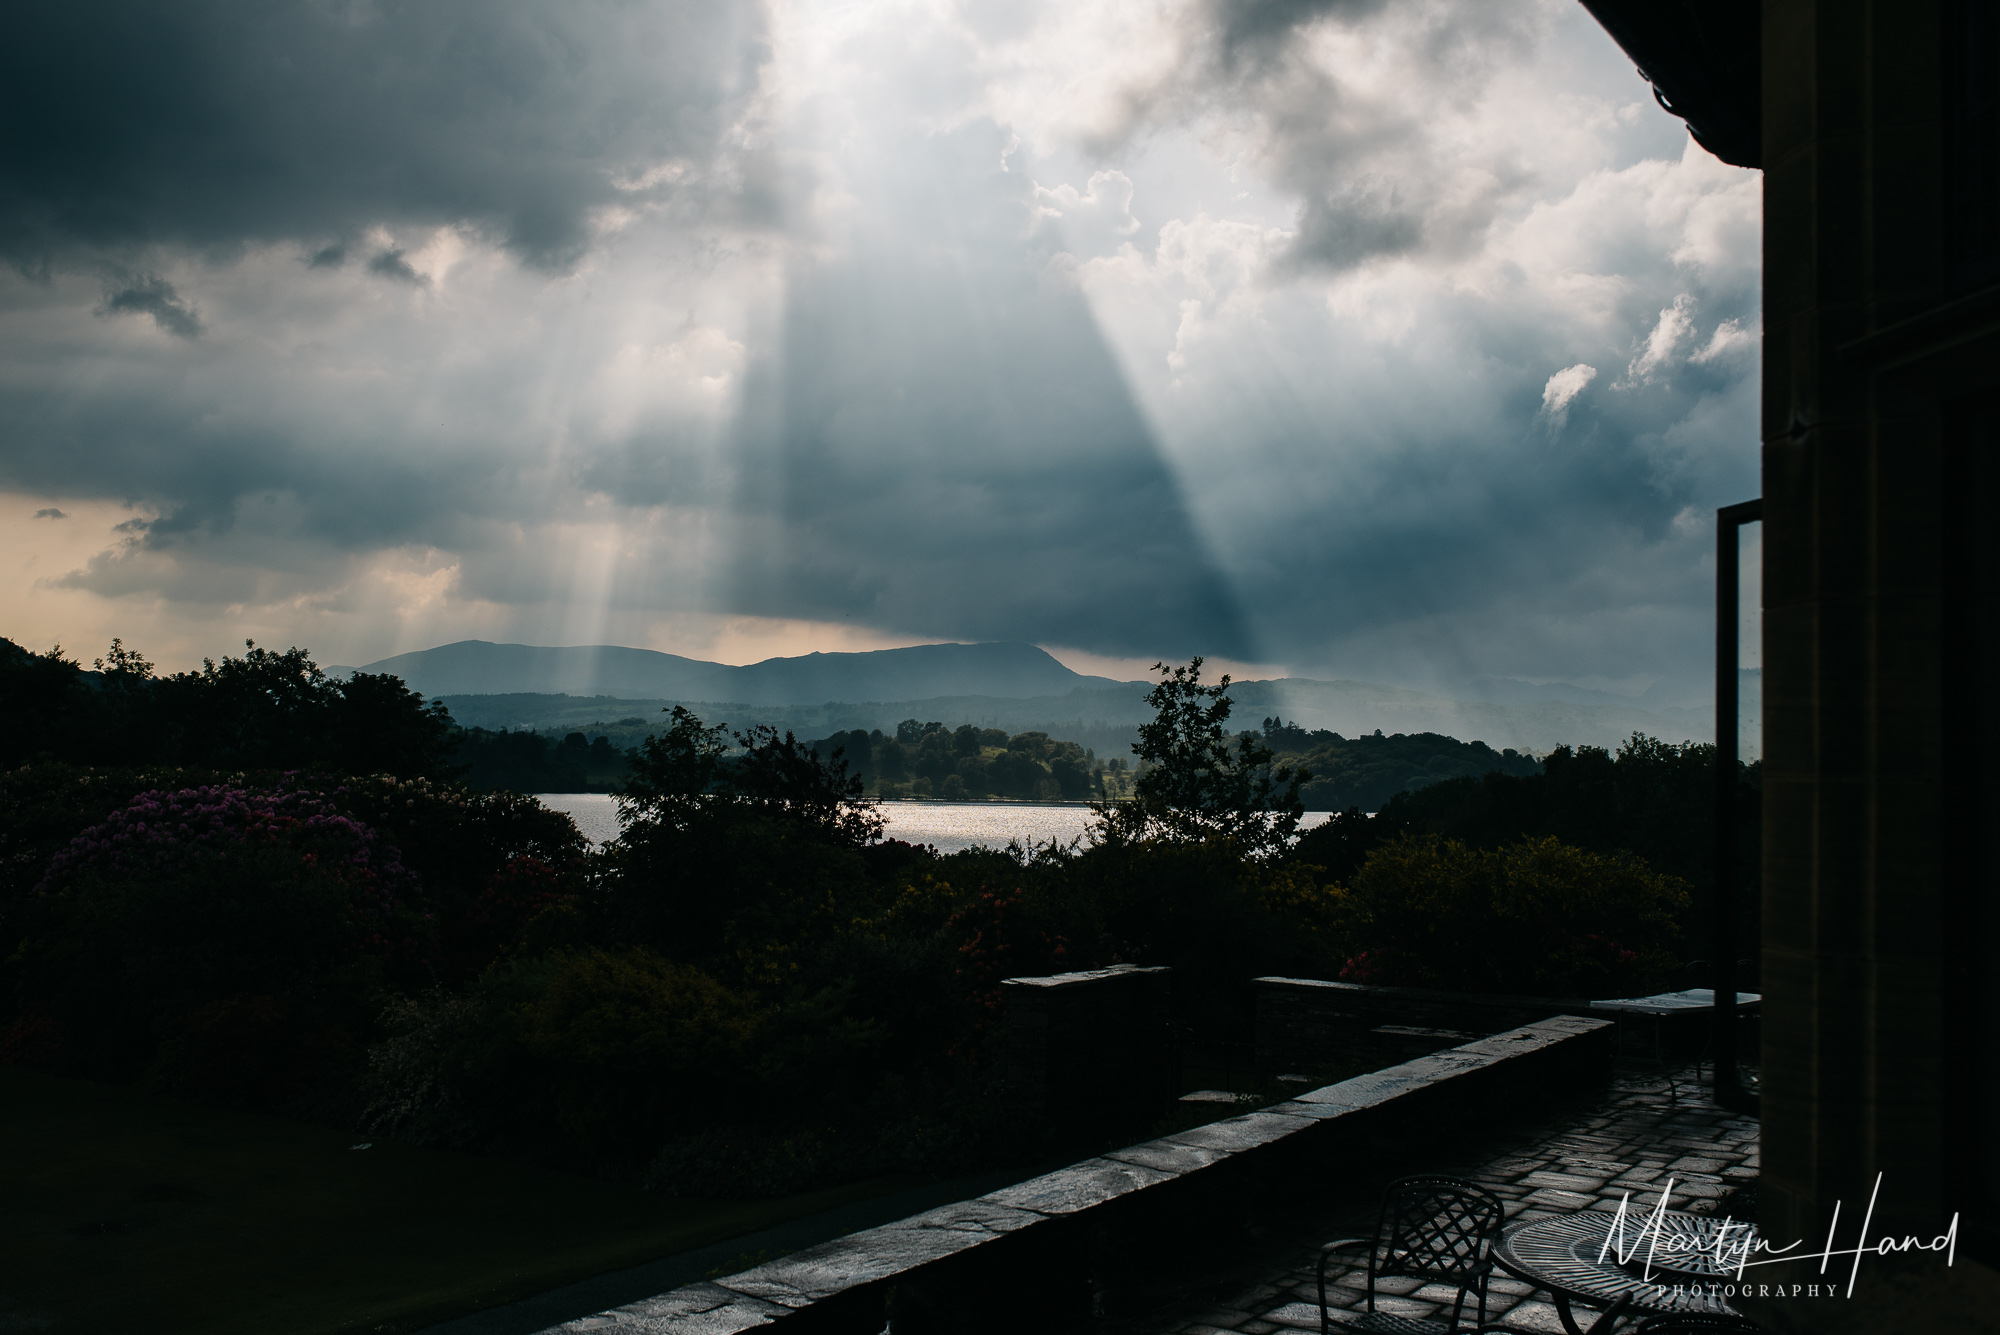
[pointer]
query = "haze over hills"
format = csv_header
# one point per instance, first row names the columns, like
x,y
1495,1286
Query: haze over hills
x,y
1017,687
477,667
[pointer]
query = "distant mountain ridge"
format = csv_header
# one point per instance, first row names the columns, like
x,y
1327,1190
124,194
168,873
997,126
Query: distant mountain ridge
x,y
1017,687
478,667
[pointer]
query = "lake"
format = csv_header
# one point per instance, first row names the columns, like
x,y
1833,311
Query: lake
x,y
949,826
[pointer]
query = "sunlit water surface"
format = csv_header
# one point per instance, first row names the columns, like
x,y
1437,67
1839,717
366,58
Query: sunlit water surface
x,y
949,826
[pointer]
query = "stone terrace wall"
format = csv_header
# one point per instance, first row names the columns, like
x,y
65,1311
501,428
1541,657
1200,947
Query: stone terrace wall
x,y
1031,1255
1307,1024
1090,1046
1311,1024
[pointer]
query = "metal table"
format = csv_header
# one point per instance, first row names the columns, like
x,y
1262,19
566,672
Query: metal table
x,y
1561,1254
1669,1008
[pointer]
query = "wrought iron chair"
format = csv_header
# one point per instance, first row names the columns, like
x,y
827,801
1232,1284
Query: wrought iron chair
x,y
1431,1228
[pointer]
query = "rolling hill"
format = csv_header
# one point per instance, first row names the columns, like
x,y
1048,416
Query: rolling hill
x,y
1018,687
477,667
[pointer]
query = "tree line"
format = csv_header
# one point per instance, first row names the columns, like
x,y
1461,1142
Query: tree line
x,y
966,762
750,991
1367,771
263,711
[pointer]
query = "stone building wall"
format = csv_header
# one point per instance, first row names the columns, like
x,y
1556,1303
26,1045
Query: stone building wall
x,y
1881,595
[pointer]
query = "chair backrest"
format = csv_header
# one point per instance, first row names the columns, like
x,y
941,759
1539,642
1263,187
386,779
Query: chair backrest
x,y
1438,1228
1695,1323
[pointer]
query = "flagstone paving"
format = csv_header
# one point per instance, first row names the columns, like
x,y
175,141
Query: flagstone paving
x,y
1635,1140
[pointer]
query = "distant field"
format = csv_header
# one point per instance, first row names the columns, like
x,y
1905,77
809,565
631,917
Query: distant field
x,y
124,1212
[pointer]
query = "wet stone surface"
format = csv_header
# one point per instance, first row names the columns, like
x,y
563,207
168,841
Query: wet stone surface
x,y
1092,1182
1633,1140
698,1309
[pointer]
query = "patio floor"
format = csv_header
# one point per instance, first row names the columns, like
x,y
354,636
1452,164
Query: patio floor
x,y
1633,1140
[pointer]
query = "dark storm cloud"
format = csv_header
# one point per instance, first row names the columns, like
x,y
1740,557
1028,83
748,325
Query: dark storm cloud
x,y
149,294
1435,525
204,452
1259,29
894,407
50,512
210,122
1359,161
391,264
953,448
1395,501
1349,225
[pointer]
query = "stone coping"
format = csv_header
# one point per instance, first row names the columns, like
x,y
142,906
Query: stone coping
x,y
1032,1228
1439,996
1082,976
1689,1001
1308,1023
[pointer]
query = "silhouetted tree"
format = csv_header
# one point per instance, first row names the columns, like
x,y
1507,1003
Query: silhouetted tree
x,y
1197,788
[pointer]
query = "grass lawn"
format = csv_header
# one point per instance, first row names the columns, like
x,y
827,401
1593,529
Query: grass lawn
x,y
122,1211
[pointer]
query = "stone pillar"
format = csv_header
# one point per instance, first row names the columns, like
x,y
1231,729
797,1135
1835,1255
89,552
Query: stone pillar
x,y
1090,1048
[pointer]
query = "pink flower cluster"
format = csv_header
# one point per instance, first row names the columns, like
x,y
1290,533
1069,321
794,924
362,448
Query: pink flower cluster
x,y
165,833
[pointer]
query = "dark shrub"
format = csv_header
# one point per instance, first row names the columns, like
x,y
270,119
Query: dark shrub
x,y
440,1076
223,939
1538,917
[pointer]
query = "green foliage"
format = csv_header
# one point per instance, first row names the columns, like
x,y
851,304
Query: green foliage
x,y
265,710
673,774
783,779
968,763
464,846
1538,917
629,1044
783,829
587,1056
997,942
686,778
529,762
632,1013
273,711
751,992
48,705
1368,771
435,1077
278,711
1646,798
233,970
42,807
1651,799
525,908
215,978
1196,788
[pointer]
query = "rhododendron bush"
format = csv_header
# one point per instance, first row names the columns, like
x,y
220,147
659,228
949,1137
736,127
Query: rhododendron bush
x,y
224,940
239,937
167,835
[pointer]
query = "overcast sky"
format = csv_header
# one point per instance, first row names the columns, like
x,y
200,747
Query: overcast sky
x,y
1405,341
